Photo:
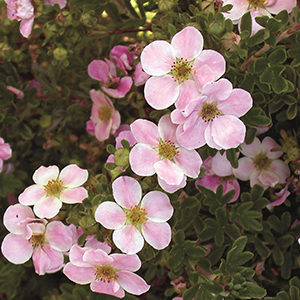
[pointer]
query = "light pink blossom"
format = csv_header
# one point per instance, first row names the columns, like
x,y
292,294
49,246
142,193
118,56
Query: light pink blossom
x,y
45,242
218,171
213,118
5,152
157,151
134,219
105,120
108,274
105,72
178,67
52,188
121,57
261,164
139,76
257,8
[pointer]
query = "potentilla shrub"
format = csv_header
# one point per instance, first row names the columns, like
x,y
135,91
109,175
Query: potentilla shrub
x,y
150,149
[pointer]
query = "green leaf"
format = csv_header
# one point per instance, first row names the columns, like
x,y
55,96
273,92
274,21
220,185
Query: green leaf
x,y
278,56
231,155
256,117
246,25
291,112
252,291
258,37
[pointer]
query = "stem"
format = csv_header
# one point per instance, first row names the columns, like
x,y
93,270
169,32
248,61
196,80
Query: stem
x,y
266,47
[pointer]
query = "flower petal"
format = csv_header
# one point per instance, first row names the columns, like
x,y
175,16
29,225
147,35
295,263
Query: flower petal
x,y
187,43
110,215
43,174
103,130
145,132
157,206
76,256
132,283
127,191
100,99
142,159
171,188
56,259
220,165
106,287
47,207
16,248
280,169
59,236
228,131
267,145
79,275
157,58
208,137
189,161
14,218
26,26
122,89
97,257
32,194
218,90
237,104
169,171
99,70
73,176
277,6
158,235
252,149
166,129
188,92
128,239
129,262
239,7
75,195
168,91
245,169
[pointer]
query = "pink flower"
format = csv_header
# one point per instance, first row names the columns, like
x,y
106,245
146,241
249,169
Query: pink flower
x,y
21,10
257,8
178,67
139,76
28,236
105,72
104,116
53,188
157,151
133,219
261,164
5,152
121,57
213,118
61,3
282,196
17,92
33,84
107,274
218,171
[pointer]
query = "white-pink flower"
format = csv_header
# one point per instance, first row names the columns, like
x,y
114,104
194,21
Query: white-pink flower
x,y
157,151
261,164
52,188
105,118
257,8
105,72
108,274
45,242
178,67
213,118
121,57
134,219
5,152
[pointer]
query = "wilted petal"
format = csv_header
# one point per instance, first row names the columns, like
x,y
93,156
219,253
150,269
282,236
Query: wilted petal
x,y
142,159
158,235
157,58
79,275
75,195
128,239
157,206
32,194
59,236
73,176
187,43
43,174
132,283
16,248
228,131
47,207
129,262
168,91
110,215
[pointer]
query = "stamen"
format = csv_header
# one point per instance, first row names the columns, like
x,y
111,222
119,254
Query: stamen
x,y
37,239
54,187
136,215
167,149
181,69
104,113
105,273
261,161
209,111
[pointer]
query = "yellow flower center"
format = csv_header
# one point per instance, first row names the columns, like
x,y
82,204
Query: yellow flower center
x,y
105,273
54,187
209,111
37,239
167,149
257,3
181,69
136,215
261,161
104,113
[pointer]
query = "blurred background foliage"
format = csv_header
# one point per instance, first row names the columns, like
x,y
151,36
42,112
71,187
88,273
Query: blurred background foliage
x,y
220,250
